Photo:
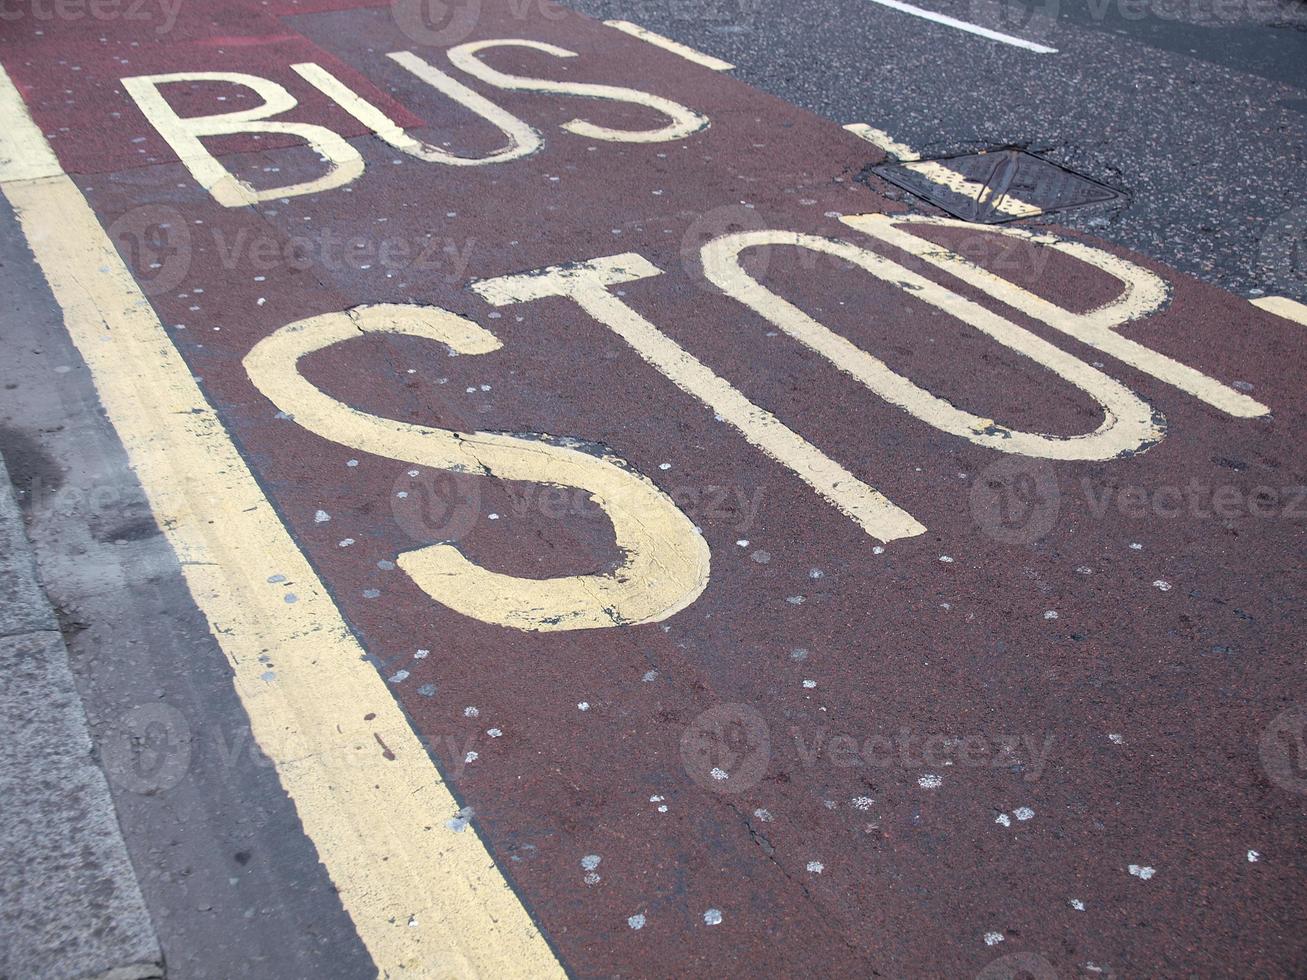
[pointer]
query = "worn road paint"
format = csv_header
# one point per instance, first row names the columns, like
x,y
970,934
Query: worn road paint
x,y
676,47
587,285
24,152
522,139
426,901
1282,306
878,137
1128,425
1142,294
1026,622
665,560
684,121
963,25
184,134
937,172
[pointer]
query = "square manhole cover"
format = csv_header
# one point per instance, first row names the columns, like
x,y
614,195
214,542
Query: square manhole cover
x,y
1001,185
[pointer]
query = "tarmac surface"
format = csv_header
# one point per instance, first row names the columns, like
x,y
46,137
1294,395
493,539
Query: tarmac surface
x,y
1197,109
541,528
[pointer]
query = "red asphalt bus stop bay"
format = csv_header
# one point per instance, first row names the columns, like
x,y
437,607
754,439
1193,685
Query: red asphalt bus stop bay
x,y
887,624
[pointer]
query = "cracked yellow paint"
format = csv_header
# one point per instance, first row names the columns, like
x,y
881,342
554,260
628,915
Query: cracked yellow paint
x,y
665,558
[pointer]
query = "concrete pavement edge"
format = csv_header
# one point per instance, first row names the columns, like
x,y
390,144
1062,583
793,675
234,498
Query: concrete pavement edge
x,y
70,902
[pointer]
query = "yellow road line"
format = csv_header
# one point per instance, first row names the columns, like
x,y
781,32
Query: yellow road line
x,y
24,152
676,47
936,172
878,137
1282,306
425,899
587,284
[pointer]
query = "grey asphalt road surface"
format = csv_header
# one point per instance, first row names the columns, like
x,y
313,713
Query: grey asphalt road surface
x,y
1197,109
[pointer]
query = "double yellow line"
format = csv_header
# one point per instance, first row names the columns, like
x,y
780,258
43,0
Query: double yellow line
x,y
427,900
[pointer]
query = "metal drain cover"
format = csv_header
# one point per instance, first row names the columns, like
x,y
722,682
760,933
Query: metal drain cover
x,y
998,186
